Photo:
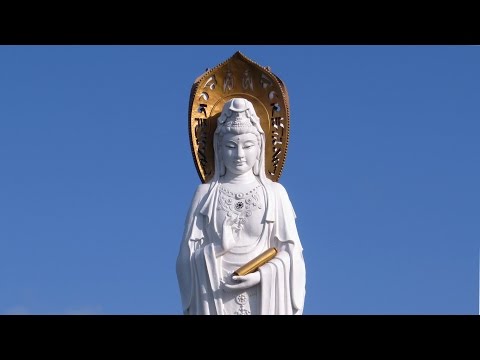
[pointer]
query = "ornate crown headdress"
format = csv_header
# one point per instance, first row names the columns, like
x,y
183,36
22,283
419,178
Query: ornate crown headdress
x,y
238,77
237,113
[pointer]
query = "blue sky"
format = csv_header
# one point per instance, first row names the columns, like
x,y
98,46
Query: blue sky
x,y
96,175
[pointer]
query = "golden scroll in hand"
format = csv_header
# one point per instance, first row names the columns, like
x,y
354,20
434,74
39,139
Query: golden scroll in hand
x,y
256,262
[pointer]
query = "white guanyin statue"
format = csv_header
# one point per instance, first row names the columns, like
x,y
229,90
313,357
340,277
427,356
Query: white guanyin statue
x,y
234,217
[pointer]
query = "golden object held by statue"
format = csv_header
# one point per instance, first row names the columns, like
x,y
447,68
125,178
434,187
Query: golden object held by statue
x,y
255,263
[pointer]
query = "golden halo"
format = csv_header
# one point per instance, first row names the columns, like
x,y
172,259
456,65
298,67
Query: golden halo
x,y
239,77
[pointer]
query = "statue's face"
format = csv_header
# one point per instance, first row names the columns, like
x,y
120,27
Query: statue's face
x,y
239,152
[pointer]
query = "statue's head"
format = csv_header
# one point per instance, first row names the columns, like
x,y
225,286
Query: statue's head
x,y
238,122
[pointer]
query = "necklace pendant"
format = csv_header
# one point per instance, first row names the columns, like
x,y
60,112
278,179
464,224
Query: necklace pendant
x,y
239,205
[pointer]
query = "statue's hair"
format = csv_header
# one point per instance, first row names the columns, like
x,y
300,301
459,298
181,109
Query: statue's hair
x,y
238,117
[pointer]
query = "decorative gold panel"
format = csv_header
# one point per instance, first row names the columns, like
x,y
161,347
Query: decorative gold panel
x,y
239,77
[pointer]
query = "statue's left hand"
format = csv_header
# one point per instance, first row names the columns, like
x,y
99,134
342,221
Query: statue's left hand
x,y
243,282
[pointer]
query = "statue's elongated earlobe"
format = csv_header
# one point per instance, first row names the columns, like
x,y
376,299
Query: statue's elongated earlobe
x,y
256,168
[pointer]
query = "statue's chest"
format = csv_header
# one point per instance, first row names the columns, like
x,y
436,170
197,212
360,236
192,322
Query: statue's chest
x,y
246,208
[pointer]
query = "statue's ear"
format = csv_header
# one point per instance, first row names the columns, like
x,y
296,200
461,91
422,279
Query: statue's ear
x,y
223,169
256,168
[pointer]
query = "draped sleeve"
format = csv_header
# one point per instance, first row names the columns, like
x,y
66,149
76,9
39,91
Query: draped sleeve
x,y
281,216
192,239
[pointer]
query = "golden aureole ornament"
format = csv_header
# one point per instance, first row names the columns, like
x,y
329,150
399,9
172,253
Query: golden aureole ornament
x,y
238,77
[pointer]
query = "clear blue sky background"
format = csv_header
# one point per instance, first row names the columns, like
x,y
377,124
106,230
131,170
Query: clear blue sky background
x,y
96,175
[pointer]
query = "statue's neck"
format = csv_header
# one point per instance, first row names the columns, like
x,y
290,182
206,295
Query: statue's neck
x,y
231,178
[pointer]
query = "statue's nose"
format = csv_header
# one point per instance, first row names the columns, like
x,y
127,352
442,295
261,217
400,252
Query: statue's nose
x,y
240,152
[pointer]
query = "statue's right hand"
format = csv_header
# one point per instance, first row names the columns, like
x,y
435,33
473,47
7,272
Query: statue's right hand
x,y
231,222
228,226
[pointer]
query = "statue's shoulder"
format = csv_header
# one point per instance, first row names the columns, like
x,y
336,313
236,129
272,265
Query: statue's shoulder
x,y
200,194
280,192
201,190
276,186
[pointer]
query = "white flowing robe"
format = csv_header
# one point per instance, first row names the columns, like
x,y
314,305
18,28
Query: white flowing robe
x,y
199,271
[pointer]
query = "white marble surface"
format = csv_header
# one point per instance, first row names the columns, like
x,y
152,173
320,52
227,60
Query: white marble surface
x,y
236,216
